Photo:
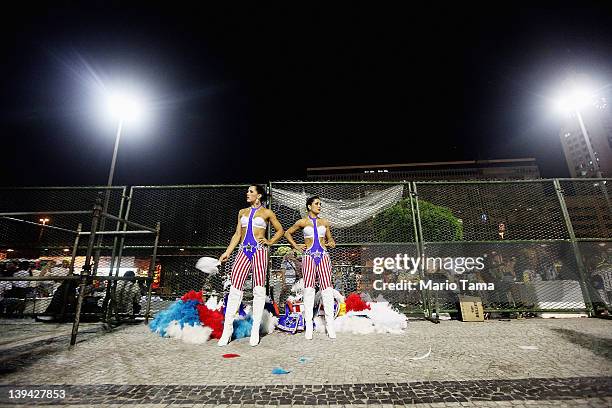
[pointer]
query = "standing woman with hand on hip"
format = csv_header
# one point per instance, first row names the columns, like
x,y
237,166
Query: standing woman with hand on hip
x,y
252,256
315,263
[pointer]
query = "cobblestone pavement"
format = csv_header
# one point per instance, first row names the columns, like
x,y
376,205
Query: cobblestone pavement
x,y
423,392
565,362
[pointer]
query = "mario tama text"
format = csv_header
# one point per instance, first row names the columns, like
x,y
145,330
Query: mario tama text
x,y
452,265
463,284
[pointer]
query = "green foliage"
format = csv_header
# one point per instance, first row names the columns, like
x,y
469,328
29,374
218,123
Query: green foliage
x,y
439,224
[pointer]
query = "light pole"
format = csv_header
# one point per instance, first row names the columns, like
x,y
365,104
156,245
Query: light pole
x,y
109,184
124,108
111,174
114,160
43,222
587,140
577,98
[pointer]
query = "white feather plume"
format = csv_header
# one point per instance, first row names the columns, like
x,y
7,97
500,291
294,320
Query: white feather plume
x,y
213,304
208,265
386,319
197,334
354,324
268,323
174,330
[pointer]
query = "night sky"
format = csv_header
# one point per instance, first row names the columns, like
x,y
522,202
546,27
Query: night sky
x,y
252,91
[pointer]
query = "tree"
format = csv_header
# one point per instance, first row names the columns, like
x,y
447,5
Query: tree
x,y
439,224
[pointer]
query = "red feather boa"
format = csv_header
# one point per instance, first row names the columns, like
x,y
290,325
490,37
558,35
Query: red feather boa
x,y
192,295
212,319
355,303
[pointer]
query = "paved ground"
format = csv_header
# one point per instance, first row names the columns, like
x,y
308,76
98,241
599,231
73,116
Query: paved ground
x,y
521,362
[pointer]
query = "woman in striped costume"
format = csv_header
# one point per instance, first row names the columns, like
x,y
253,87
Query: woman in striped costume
x,y
315,263
252,256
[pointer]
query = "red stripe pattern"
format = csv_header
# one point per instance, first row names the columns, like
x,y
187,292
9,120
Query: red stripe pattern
x,y
242,266
322,272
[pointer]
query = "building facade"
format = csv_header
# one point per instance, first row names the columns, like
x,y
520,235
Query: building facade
x,y
502,169
597,119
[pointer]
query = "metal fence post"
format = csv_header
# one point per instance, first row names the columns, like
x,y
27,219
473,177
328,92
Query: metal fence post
x,y
418,229
151,272
111,285
85,273
74,249
575,247
115,238
107,195
71,269
269,186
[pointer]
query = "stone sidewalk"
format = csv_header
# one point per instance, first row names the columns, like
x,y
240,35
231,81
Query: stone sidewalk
x,y
565,361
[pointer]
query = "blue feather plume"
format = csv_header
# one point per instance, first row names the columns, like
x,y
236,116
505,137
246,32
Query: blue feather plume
x,y
183,312
242,327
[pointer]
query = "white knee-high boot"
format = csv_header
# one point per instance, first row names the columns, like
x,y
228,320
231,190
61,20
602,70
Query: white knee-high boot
x,y
259,300
328,305
233,303
309,295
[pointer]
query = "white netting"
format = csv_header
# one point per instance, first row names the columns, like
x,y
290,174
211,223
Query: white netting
x,y
344,213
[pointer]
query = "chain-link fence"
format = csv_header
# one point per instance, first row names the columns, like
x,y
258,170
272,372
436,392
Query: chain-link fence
x,y
590,212
195,221
33,273
516,236
39,241
531,246
124,271
526,235
368,221
56,264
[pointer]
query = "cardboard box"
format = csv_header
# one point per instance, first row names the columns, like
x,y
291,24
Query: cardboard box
x,y
471,309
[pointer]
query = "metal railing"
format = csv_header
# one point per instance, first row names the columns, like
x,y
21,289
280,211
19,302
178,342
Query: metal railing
x,y
34,248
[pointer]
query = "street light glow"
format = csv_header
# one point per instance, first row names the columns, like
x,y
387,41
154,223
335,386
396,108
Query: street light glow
x,y
125,106
576,98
